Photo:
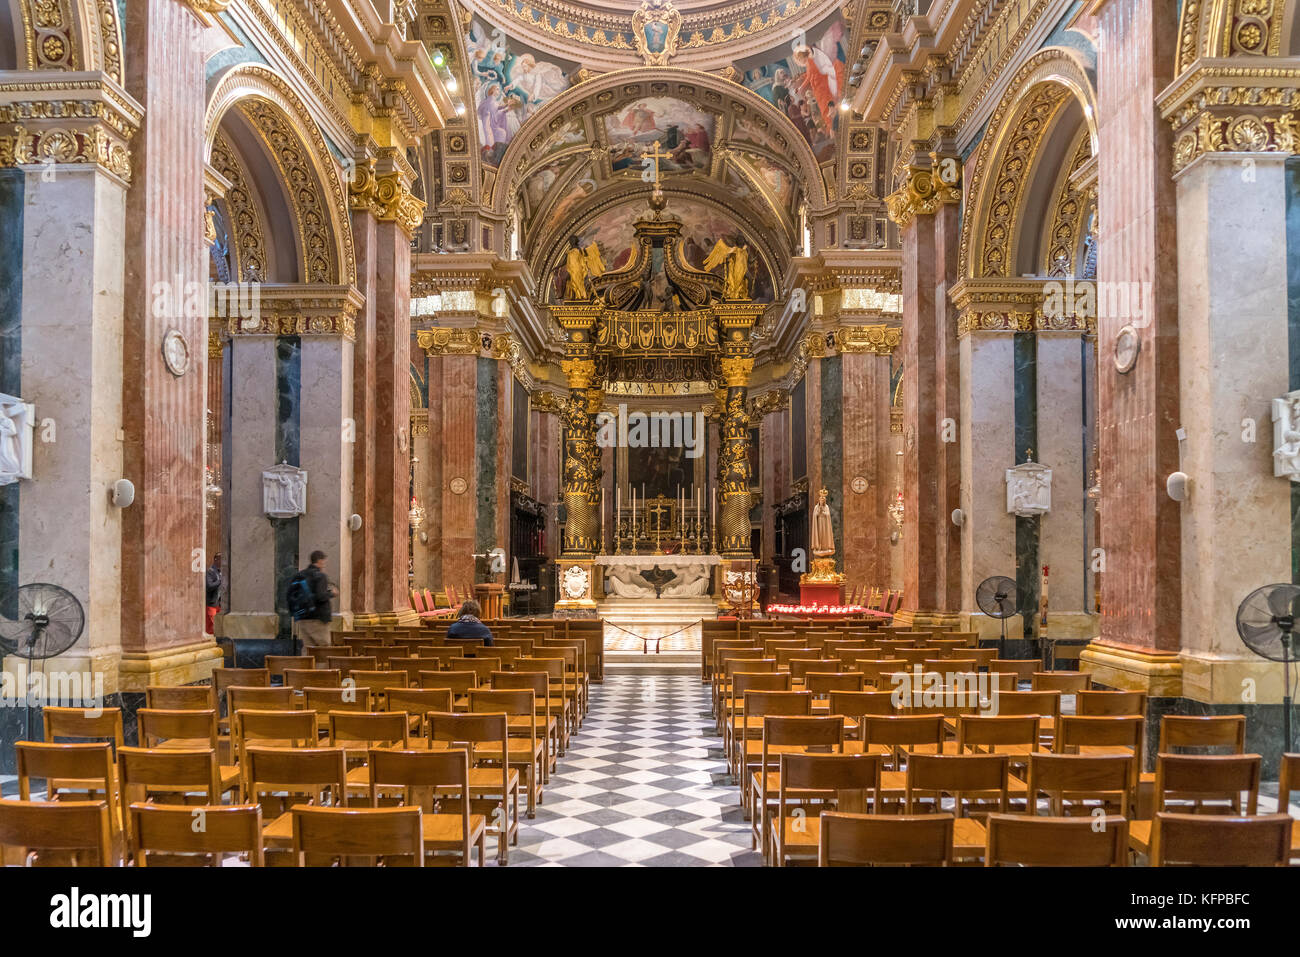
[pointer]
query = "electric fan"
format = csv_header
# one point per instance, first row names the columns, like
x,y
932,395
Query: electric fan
x,y
48,623
996,597
1266,620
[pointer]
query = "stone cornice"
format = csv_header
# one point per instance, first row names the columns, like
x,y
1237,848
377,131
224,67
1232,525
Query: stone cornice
x,y
1024,305
299,309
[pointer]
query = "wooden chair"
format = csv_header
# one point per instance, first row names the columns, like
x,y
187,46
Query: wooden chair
x,y
391,834
57,833
1218,784
722,684
1045,704
1105,734
800,668
493,784
350,663
1208,841
856,840
876,671
822,683
747,746
417,703
544,719
412,665
223,678
1078,784
1016,735
1110,703
527,753
1022,668
277,665
270,729
482,667
180,697
356,732
849,782
1066,682
459,683
73,768
1016,839
897,736
259,698
301,678
324,700
1288,781
978,784
428,779
784,734
167,835
280,779
82,724
1179,733
156,728
733,707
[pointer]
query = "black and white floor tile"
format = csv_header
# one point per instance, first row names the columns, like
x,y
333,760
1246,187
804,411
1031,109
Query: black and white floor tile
x,y
643,783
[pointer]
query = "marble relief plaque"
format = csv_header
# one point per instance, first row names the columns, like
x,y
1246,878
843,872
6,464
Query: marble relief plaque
x,y
284,491
17,428
1029,489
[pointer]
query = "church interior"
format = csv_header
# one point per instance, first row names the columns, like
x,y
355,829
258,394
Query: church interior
x,y
653,432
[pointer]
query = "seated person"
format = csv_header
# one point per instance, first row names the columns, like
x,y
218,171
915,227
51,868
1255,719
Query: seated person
x,y
467,624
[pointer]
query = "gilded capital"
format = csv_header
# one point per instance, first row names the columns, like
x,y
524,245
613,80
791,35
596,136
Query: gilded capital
x,y
736,370
448,342
578,372
878,339
922,194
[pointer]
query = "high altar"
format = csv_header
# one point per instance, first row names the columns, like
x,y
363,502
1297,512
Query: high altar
x,y
657,320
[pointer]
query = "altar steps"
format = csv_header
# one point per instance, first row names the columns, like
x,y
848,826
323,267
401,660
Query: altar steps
x,y
675,622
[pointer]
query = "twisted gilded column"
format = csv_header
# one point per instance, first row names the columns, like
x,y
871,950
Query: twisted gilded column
x,y
733,509
581,460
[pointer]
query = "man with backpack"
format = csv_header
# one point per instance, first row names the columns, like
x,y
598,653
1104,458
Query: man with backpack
x,y
310,593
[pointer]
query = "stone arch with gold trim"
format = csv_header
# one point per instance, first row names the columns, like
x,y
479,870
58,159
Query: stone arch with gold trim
x,y
1010,156
313,189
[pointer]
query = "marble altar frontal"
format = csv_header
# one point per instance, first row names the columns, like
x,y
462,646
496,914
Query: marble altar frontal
x,y
657,576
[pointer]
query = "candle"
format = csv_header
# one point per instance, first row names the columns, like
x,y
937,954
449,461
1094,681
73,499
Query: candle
x,y
713,518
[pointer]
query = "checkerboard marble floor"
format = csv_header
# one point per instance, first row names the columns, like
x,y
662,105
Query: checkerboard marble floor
x,y
643,783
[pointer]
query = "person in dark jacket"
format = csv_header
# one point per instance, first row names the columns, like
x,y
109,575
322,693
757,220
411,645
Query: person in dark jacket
x,y
212,584
467,625
314,629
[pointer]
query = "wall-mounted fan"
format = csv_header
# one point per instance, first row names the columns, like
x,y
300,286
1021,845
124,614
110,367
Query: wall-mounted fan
x,y
996,597
1266,620
49,621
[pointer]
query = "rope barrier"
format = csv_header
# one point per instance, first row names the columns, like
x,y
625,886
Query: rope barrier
x,y
644,639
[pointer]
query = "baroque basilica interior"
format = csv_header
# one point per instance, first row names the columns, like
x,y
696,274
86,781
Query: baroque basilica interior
x,y
651,432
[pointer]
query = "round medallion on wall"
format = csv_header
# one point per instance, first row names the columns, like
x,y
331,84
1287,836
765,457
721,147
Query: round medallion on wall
x,y
1127,346
859,484
458,486
175,352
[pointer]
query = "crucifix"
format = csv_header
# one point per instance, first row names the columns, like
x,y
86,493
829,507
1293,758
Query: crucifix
x,y
657,511
653,156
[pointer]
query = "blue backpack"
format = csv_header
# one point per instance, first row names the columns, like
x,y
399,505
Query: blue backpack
x,y
301,601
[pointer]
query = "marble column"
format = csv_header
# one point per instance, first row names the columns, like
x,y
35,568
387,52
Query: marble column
x,y
364,398
734,495
422,446
163,554
868,454
252,426
1234,358
452,400
987,441
1138,411
1065,370
325,452
64,224
391,447
928,217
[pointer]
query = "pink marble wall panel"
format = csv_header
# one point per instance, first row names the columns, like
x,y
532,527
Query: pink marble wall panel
x,y
1138,412
164,415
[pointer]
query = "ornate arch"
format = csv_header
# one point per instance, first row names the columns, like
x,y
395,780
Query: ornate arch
x,y
705,90
1034,100
247,233
70,35
314,189
1226,28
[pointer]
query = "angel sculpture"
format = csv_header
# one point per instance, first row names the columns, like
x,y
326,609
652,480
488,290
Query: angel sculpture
x,y
583,265
735,272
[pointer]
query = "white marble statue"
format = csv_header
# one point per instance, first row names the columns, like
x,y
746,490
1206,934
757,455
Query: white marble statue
x,y
284,491
626,582
823,531
1286,436
17,421
692,582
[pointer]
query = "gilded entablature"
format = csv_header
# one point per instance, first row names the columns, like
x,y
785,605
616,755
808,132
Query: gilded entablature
x,y
300,310
449,342
54,121
1235,106
876,339
1018,305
